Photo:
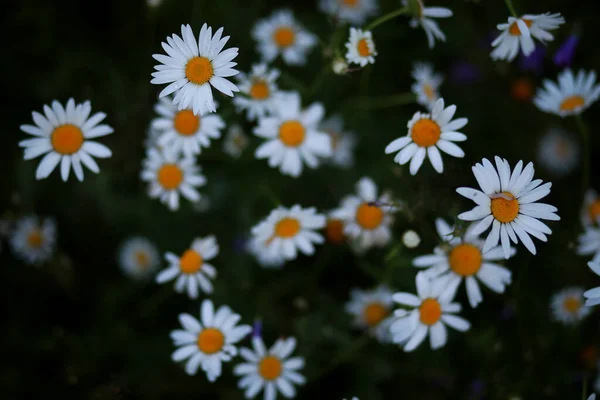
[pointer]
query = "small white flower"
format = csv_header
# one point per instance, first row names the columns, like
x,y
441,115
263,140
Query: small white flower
x,y
260,90
427,83
424,19
138,258
558,152
272,370
427,134
372,310
208,343
63,135
339,66
260,250
235,141
411,239
519,33
361,48
342,142
432,311
34,241
352,11
572,95
567,306
593,295
589,242
281,34
191,67
191,269
508,203
590,212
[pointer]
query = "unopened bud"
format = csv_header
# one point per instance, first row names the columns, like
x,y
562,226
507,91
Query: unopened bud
x,y
411,239
339,66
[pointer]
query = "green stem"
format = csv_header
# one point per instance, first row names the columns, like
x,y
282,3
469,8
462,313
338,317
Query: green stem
x,y
386,101
343,356
511,8
385,18
585,138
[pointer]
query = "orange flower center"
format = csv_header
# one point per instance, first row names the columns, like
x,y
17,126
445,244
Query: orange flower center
x,y
522,89
186,123
287,228
571,103
259,90
425,132
210,340
514,28
199,70
430,311
292,133
270,368
35,239
190,262
349,3
572,304
284,36
363,48
66,139
374,313
170,176
465,259
505,210
142,259
369,216
334,231
429,92
594,210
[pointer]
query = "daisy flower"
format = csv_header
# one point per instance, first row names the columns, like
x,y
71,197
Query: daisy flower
x,y
342,142
520,32
427,134
366,216
281,34
461,259
571,96
191,269
259,249
182,130
424,19
34,241
558,152
170,175
431,312
589,242
351,11
209,342
590,212
371,309
191,67
508,203
260,90
592,296
287,230
427,83
361,48
293,136
138,258
567,306
235,141
270,369
63,134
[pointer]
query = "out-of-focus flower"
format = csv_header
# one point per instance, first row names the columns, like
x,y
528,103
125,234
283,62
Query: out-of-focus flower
x,y
427,83
138,258
590,211
567,306
521,89
342,142
571,96
565,53
352,11
589,242
361,48
339,66
424,18
559,152
593,295
34,241
261,91
235,141
411,239
267,259
371,310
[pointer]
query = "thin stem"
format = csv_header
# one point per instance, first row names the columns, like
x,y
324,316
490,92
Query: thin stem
x,y
511,8
385,18
386,101
585,138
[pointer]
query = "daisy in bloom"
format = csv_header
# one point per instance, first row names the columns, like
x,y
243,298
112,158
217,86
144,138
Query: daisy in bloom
x,y
235,141
63,134
191,269
138,258
361,48
287,230
342,142
366,216
567,305
427,134
461,259
590,212
281,34
520,32
371,309
571,96
208,342
191,67
431,312
427,83
593,295
270,369
589,242
508,203
259,249
170,175
293,136
423,18
260,90
558,152
34,241
182,130
351,11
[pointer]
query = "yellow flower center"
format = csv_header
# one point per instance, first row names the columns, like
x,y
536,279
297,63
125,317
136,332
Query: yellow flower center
x,y
594,210
186,123
199,70
270,368
287,228
430,311
284,36
170,176
142,259
210,340
369,216
292,133
66,139
425,132
374,313
505,210
572,304
514,28
334,138
190,262
429,92
571,103
349,3
363,48
259,90
465,259
334,231
35,239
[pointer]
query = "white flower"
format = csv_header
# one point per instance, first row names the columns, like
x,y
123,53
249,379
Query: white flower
x,y
192,67
339,66
182,130
170,175
366,216
519,33
281,34
589,242
191,269
593,295
372,310
507,202
427,83
361,48
260,90
424,19
590,212
427,134
287,230
272,370
152,136
431,312
235,141
572,95
558,151
352,11
138,258
208,342
342,142
567,306
63,134
33,241
592,396
259,249
293,136
461,259
411,239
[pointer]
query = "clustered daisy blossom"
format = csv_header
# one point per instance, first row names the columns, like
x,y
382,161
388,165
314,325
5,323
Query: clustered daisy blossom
x,y
138,258
423,17
372,310
361,48
573,94
352,11
427,83
34,240
260,90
